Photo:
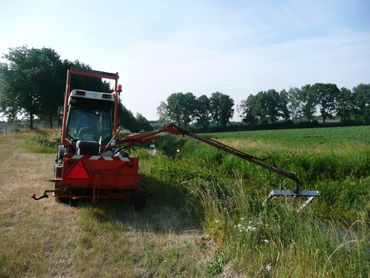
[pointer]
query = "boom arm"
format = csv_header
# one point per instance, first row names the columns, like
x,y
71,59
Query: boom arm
x,y
143,137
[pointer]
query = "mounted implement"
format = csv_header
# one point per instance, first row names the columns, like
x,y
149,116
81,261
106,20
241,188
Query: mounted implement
x,y
143,137
92,162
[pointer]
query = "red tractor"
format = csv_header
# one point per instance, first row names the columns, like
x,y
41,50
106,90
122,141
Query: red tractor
x,y
92,163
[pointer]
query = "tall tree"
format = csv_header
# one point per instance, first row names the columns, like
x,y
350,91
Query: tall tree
x,y
361,98
202,111
221,108
308,102
180,108
162,112
266,107
325,95
249,110
283,101
32,82
294,103
345,104
273,104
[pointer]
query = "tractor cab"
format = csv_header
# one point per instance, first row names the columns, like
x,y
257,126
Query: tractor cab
x,y
89,120
90,116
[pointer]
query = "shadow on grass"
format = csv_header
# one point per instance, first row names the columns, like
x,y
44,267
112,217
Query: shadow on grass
x,y
167,210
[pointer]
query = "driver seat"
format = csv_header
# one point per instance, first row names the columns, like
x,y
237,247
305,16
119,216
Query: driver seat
x,y
86,133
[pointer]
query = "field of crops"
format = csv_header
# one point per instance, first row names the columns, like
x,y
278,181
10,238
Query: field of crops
x,y
205,214
330,238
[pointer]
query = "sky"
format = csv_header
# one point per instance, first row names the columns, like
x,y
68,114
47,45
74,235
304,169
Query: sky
x,y
235,47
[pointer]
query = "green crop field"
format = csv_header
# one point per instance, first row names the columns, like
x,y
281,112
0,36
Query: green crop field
x,y
206,213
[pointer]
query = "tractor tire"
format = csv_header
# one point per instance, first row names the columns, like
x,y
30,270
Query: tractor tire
x,y
139,199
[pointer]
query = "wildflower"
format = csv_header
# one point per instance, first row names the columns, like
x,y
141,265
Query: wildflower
x,y
265,241
268,267
251,228
217,221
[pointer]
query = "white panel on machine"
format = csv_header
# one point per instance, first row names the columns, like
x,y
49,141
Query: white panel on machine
x,y
91,95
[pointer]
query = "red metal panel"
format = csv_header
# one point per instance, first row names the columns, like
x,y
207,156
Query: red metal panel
x,y
114,173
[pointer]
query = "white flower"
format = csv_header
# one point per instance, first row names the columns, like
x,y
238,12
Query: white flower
x,y
268,267
251,228
265,241
217,221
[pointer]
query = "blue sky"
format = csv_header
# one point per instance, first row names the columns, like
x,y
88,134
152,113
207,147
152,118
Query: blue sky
x,y
236,47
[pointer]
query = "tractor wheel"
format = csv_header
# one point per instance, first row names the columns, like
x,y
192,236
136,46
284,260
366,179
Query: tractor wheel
x,y
139,199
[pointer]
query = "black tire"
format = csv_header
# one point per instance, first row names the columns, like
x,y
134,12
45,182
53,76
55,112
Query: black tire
x,y
139,199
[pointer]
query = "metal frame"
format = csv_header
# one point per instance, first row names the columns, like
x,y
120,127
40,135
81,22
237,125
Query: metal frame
x,y
143,137
89,73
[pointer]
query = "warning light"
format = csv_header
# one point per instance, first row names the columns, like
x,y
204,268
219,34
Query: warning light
x,y
119,88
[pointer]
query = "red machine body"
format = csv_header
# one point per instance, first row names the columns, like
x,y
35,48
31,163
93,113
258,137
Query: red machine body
x,y
86,164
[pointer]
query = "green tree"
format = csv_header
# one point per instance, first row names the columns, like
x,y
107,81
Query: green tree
x,y
308,102
202,111
142,123
31,80
221,106
249,110
265,107
162,112
180,108
361,99
283,101
126,118
294,103
325,95
345,105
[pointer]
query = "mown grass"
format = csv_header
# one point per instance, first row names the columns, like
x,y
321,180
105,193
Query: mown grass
x,y
108,239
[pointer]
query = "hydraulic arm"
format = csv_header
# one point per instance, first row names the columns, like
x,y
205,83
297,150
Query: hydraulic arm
x,y
143,137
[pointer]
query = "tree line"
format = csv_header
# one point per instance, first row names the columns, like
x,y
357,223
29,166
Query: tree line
x,y
32,84
301,104
269,107
185,109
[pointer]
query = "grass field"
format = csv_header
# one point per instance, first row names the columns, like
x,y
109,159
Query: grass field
x,y
205,213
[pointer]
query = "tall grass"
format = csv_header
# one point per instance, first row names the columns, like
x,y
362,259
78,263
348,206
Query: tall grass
x,y
273,239
41,140
330,238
